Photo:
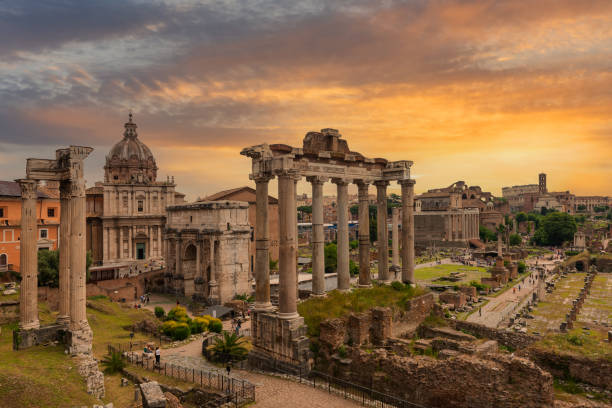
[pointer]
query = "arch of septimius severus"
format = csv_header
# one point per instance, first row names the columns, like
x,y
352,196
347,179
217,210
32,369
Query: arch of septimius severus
x,y
324,157
71,327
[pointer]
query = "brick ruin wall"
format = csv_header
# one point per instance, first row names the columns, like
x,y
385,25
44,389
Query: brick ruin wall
x,y
459,382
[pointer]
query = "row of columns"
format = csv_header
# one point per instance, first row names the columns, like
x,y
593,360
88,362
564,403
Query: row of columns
x,y
72,262
462,226
114,237
288,283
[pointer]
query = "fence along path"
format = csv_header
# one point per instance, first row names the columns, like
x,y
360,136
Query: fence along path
x,y
238,391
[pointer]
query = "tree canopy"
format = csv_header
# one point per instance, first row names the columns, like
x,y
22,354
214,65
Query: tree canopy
x,y
555,229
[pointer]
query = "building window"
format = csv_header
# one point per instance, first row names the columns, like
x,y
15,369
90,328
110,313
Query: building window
x,y
51,212
140,205
115,177
191,218
2,212
9,236
3,260
43,233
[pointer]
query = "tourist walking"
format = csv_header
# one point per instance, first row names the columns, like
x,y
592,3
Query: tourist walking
x,y
228,369
157,356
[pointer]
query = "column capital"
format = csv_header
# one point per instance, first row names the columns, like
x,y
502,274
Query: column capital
x,y
381,183
28,188
362,191
77,188
262,178
293,174
340,181
317,179
406,182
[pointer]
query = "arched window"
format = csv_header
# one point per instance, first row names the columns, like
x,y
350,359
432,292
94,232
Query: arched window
x,y
3,260
190,253
464,196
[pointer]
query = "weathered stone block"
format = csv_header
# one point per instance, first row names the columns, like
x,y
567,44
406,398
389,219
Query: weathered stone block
x,y
333,333
359,328
382,319
457,299
152,395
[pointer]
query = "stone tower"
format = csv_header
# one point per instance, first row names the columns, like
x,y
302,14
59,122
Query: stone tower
x,y
542,183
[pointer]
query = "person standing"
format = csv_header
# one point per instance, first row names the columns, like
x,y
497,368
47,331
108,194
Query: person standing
x,y
157,356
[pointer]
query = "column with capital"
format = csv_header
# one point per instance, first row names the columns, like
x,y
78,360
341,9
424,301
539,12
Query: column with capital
x,y
287,246
364,235
318,238
78,263
408,231
383,234
64,252
213,286
262,244
344,278
28,296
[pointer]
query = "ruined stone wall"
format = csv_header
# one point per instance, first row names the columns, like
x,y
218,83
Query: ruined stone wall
x,y
508,338
594,371
9,311
462,381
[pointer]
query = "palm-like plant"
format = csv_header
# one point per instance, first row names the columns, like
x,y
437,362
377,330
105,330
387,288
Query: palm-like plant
x,y
113,363
230,347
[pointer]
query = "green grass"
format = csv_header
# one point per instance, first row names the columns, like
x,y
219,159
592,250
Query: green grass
x,y
430,273
577,342
338,304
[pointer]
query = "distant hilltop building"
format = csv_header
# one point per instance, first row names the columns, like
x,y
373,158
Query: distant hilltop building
x,y
534,197
126,214
454,214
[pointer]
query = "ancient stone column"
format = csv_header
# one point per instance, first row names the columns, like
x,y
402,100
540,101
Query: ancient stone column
x,y
28,297
198,260
383,233
408,231
177,256
78,264
364,235
64,253
344,277
213,285
318,238
262,245
287,246
130,242
395,236
159,241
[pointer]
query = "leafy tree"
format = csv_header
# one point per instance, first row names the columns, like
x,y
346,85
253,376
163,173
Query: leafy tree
x,y
354,244
521,217
600,208
522,267
393,200
486,234
555,229
353,268
113,363
581,207
354,210
515,239
48,268
331,258
159,312
303,209
228,348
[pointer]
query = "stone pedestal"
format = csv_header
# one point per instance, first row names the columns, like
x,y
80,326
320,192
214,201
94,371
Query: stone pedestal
x,y
279,342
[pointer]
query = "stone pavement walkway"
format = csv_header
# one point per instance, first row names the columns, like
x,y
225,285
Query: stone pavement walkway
x,y
498,308
270,391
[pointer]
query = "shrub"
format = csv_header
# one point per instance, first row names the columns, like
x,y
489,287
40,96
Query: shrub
x,y
353,268
480,286
178,314
342,351
354,244
521,267
159,312
181,331
168,327
215,326
199,324
398,285
229,348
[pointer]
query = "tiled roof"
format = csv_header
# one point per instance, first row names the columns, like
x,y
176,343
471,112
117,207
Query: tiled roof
x,y
226,195
11,189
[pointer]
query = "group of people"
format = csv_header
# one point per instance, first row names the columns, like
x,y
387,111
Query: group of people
x,y
157,352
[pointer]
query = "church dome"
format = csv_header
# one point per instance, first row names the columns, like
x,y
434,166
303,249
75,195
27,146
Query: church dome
x,y
130,161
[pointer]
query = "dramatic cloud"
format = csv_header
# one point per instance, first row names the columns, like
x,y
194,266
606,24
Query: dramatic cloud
x,y
491,92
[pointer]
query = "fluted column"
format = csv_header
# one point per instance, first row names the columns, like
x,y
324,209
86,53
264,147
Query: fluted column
x,y
28,296
198,260
159,241
262,245
344,277
130,242
364,235
64,253
78,263
408,231
383,234
317,238
287,247
213,285
395,236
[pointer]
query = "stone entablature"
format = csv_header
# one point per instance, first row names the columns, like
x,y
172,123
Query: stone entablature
x,y
207,250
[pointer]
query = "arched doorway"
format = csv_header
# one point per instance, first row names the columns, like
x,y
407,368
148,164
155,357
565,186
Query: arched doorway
x,y
3,260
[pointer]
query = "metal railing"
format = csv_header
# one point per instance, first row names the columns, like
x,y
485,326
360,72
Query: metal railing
x,y
237,391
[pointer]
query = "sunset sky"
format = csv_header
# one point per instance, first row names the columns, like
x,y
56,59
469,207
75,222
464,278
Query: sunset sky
x,y
490,92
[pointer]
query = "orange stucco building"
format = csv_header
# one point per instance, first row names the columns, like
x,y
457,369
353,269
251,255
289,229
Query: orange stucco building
x,y
48,218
